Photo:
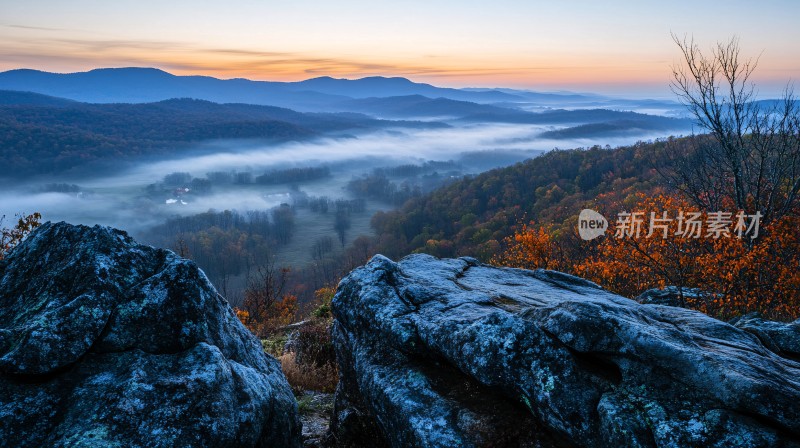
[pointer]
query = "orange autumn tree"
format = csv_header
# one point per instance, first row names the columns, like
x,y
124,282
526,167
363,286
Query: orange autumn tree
x,y
650,253
266,305
324,296
11,237
533,247
735,275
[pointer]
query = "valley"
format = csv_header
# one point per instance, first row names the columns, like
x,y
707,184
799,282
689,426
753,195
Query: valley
x,y
138,165
446,224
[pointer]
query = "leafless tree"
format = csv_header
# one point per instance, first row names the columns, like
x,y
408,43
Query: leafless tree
x,y
322,247
264,289
752,151
341,224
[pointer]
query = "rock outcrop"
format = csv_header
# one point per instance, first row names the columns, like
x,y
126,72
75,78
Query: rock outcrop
x,y
443,353
780,337
670,296
104,342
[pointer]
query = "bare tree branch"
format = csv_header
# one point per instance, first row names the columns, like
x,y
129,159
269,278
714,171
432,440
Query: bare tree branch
x,y
754,155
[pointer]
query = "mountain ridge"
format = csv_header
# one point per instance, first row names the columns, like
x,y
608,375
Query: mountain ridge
x,y
129,84
43,134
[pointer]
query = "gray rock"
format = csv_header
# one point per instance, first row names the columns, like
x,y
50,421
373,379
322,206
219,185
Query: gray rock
x,y
104,342
672,296
315,413
442,353
780,337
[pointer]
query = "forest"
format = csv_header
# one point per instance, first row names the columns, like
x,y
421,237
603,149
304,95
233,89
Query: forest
x,y
524,215
47,135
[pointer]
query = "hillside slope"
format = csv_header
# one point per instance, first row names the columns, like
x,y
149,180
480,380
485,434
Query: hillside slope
x,y
473,216
41,134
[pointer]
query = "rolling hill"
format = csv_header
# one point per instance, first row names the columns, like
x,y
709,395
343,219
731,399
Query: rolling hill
x,y
41,134
473,215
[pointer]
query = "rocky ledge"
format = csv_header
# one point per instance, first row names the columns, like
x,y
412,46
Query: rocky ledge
x,y
104,342
443,353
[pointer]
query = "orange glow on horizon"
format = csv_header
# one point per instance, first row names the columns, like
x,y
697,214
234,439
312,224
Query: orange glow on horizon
x,y
616,45
488,71
628,72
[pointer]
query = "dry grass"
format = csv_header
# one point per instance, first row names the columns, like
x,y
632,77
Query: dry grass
x,y
304,377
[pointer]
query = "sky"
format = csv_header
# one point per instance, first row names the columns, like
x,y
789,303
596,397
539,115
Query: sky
x,y
620,47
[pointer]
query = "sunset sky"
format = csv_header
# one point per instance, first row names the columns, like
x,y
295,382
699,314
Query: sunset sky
x,y
621,47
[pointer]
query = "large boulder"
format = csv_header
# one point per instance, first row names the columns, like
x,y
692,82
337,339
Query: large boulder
x,y
442,353
104,342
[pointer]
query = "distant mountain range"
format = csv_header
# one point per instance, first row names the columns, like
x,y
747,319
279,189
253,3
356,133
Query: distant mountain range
x,y
53,122
143,85
378,86
374,112
140,85
408,106
418,106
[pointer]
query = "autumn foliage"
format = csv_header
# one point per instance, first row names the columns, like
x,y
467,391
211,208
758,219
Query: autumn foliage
x,y
533,247
267,306
10,237
736,275
265,319
306,350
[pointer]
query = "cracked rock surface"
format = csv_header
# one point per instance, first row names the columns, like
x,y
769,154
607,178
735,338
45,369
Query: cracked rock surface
x,y
104,342
442,353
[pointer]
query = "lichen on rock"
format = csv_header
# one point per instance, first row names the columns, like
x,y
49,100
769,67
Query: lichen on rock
x,y
449,352
105,342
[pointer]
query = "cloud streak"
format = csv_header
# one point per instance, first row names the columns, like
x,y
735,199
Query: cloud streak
x,y
71,54
32,28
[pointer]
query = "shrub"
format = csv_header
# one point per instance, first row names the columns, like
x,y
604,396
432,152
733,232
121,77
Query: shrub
x,y
309,361
304,377
313,345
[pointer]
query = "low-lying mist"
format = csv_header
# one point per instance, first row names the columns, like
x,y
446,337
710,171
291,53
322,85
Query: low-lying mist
x,y
234,205
119,200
